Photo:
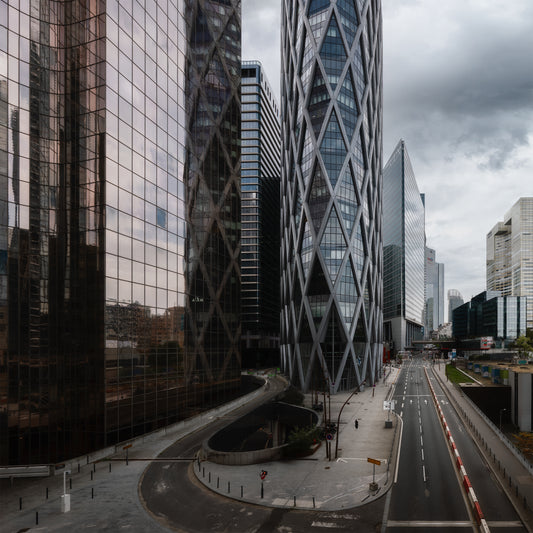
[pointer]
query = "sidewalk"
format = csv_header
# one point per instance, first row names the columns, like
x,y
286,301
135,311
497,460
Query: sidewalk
x,y
316,482
515,478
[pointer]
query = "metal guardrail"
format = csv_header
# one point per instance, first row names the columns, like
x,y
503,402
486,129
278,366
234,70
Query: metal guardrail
x,y
25,471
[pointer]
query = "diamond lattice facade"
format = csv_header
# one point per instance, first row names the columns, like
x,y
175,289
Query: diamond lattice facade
x,y
331,256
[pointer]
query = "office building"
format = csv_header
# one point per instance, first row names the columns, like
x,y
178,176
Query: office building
x,y
331,263
260,226
454,300
404,245
119,219
489,314
510,254
434,312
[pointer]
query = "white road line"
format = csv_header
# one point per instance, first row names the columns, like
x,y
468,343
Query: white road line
x,y
420,523
422,454
421,441
332,525
424,472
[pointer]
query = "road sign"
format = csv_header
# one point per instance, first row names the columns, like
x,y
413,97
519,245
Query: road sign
x,y
374,461
263,474
388,404
329,436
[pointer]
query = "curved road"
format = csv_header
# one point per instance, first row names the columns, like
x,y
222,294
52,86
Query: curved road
x,y
170,492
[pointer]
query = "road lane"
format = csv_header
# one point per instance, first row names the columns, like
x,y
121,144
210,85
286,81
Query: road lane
x,y
427,493
497,509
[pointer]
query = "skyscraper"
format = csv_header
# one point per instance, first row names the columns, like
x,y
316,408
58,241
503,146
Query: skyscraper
x,y
331,190
434,312
454,300
119,225
260,182
510,254
404,244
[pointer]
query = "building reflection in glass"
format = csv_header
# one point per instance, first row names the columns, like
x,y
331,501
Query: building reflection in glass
x,y
93,224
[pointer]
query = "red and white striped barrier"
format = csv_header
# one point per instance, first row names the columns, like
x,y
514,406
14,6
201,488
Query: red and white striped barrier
x,y
472,498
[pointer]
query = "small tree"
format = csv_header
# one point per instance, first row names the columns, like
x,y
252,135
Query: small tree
x,y
301,440
523,345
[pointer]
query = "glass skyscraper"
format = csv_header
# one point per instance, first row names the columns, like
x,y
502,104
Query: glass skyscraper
x,y
331,256
434,311
404,244
119,219
510,254
454,300
260,191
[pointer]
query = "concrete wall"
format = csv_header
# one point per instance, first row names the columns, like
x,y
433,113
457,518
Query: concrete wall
x,y
522,399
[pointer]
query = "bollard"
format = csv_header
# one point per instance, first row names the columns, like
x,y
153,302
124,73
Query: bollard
x,y
262,491
70,483
36,517
203,471
294,501
91,475
209,477
47,493
229,490
241,491
314,502
218,482
510,480
78,468
94,467
20,504
110,467
92,492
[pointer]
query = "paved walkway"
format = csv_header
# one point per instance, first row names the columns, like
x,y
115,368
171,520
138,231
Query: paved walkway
x,y
108,500
315,481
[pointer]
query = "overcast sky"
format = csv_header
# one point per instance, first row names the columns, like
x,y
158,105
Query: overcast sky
x,y
458,88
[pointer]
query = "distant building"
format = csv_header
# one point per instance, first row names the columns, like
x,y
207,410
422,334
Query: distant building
x,y
260,220
404,246
434,314
510,254
454,300
491,315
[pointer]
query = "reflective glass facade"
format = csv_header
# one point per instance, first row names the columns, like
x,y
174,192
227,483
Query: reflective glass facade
x,y
95,162
260,190
491,315
331,257
510,254
404,243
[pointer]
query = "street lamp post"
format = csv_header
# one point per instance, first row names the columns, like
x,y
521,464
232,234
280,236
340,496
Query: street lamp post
x,y
501,411
339,420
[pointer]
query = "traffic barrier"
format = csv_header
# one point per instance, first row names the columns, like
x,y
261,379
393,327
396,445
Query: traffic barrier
x,y
459,463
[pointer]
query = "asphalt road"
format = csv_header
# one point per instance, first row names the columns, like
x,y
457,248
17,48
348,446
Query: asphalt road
x,y
427,494
498,510
175,499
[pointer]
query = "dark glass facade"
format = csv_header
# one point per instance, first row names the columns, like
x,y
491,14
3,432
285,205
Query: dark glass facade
x,y
331,257
95,161
404,244
260,190
491,315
